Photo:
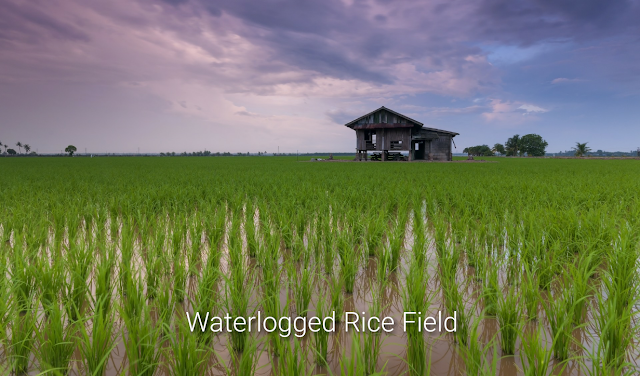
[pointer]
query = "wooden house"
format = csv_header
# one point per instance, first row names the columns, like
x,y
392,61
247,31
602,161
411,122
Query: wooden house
x,y
386,133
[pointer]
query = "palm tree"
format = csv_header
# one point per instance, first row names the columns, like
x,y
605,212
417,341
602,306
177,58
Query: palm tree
x,y
581,149
19,145
27,148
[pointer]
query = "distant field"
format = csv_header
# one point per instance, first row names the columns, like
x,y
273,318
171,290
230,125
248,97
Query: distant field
x,y
104,257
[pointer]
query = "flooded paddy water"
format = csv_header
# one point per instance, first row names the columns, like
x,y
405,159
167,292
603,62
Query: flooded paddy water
x,y
113,291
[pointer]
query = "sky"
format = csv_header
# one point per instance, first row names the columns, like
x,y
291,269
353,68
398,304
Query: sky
x,y
120,76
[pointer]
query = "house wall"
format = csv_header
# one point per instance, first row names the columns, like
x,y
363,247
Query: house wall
x,y
441,148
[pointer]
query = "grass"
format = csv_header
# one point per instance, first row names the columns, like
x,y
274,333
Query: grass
x,y
57,341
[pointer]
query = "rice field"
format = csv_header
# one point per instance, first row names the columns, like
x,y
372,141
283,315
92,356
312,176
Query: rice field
x,y
107,261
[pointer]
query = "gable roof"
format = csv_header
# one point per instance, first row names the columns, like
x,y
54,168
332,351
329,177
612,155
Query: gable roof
x,y
351,123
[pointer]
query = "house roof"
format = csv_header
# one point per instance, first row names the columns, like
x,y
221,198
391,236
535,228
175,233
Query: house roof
x,y
352,124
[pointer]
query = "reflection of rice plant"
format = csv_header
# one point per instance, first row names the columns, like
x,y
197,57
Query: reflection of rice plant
x,y
57,343
510,320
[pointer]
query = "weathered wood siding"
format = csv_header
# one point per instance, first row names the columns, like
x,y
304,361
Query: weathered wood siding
x,y
441,148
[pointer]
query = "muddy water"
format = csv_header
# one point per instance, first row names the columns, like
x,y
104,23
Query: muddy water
x,y
443,351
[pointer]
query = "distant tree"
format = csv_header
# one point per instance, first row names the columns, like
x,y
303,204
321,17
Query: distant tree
x,y
19,145
27,148
581,149
11,152
533,145
70,149
513,145
499,148
478,151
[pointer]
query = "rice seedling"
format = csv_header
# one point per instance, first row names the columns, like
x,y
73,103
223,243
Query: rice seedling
x,y
353,364
475,353
245,363
530,295
321,338
510,321
293,360
97,343
57,342
140,343
186,354
237,294
538,356
559,312
302,288
335,294
372,342
22,339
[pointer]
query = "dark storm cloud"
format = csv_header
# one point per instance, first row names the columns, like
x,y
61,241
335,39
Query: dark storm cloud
x,y
25,21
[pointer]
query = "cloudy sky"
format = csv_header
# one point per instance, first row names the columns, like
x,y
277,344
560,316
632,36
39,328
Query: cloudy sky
x,y
240,75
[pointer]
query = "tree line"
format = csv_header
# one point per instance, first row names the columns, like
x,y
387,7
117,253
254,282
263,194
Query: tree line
x,y
20,145
531,145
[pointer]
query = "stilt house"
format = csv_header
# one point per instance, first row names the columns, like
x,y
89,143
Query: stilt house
x,y
384,134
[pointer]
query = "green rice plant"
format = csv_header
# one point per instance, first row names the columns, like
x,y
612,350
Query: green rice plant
x,y
321,338
247,362
374,233
491,290
165,307
21,343
537,355
186,354
79,270
349,270
302,288
337,297
195,250
372,342
103,283
179,278
416,299
530,295
617,330
237,294
23,279
134,300
353,364
96,346
559,312
293,360
475,353
51,281
580,290
57,342
396,243
141,343
510,320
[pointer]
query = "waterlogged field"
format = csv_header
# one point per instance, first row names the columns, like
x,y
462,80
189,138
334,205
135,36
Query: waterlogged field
x,y
107,260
